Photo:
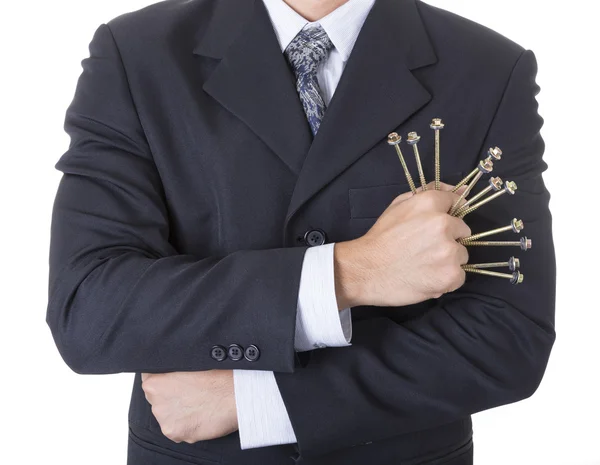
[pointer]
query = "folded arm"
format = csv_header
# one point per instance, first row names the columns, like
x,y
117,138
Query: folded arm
x,y
121,297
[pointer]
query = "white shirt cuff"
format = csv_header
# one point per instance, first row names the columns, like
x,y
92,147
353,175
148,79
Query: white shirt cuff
x,y
262,417
319,324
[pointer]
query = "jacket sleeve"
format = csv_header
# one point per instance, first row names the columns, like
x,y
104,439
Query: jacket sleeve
x,y
483,346
121,297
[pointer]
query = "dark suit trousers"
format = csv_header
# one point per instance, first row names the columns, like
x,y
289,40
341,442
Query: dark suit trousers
x,y
140,451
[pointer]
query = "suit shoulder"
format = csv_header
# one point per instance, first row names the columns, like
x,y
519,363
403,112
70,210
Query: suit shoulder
x,y
461,35
161,18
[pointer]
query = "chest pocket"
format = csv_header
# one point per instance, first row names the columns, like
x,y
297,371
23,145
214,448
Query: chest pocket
x,y
371,202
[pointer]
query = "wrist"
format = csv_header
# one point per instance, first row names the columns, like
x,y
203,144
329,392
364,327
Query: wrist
x,y
350,274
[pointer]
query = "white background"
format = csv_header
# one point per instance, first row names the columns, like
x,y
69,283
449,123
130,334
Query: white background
x,y
50,415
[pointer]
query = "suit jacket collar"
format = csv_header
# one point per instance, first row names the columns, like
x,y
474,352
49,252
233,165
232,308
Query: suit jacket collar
x,y
253,80
231,17
376,93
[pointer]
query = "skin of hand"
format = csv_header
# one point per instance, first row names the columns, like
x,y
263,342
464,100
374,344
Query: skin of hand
x,y
408,256
192,406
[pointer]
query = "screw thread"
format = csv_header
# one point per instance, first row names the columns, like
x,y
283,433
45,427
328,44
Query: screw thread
x,y
485,265
437,160
470,186
420,167
475,198
466,179
492,244
489,273
409,178
471,209
491,232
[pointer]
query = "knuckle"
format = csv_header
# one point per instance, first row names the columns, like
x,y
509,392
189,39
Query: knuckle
x,y
466,230
148,387
458,275
440,223
446,251
401,198
169,431
427,199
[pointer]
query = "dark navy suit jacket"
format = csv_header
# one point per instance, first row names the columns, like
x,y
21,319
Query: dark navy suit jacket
x,y
192,177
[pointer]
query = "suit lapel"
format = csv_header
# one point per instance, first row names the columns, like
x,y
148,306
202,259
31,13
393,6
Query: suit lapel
x,y
377,93
253,80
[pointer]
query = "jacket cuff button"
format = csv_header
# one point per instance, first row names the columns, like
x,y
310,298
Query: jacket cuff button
x,y
218,353
235,352
252,354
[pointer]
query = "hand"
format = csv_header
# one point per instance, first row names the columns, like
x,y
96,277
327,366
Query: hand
x,y
408,256
192,406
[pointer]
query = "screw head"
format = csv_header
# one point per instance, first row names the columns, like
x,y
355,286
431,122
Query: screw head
x,y
514,264
510,187
517,278
496,183
525,243
495,153
394,138
517,225
486,166
436,123
413,138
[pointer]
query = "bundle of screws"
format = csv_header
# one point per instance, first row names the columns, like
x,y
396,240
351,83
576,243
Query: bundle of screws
x,y
465,206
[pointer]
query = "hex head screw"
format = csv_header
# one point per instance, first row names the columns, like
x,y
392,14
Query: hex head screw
x,y
510,187
515,226
413,139
437,126
394,140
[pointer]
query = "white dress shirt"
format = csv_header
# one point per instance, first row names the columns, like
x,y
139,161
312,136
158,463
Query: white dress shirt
x,y
262,416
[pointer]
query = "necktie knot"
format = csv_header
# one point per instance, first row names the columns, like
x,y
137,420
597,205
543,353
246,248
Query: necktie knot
x,y
304,53
309,48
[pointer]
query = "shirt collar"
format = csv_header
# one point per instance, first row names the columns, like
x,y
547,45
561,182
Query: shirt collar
x,y
341,25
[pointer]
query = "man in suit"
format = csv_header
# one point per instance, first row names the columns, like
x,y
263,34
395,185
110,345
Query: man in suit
x,y
233,227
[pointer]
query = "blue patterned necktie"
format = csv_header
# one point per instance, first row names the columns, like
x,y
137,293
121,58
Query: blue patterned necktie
x,y
309,48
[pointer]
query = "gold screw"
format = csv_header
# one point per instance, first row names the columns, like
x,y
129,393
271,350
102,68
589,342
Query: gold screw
x,y
515,278
515,225
495,184
485,166
513,264
466,179
437,125
524,243
510,187
413,139
394,139
493,153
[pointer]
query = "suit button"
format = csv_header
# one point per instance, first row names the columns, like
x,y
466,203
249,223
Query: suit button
x,y
314,237
252,353
235,352
218,353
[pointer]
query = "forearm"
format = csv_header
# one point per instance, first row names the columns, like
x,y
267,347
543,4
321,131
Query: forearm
x,y
121,295
117,310
459,358
263,419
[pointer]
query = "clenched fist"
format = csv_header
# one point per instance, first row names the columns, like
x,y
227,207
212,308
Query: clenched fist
x,y
192,406
408,256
